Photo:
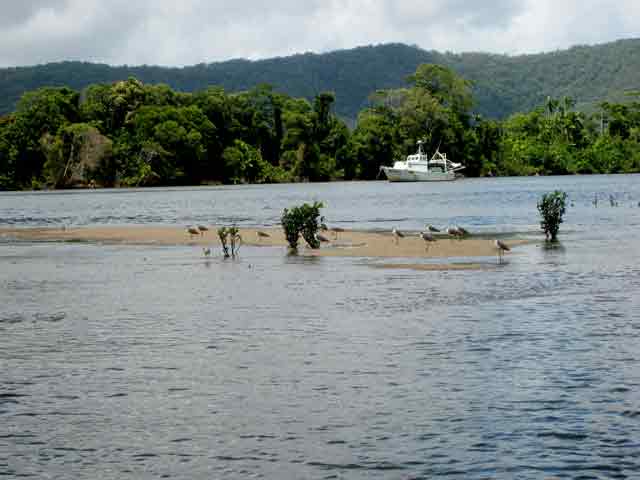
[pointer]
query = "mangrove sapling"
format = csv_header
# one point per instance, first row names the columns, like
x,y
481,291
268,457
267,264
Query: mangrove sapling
x,y
222,234
290,225
230,239
552,207
234,239
302,220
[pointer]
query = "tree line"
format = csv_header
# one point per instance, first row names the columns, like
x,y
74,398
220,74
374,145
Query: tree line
x,y
502,84
131,134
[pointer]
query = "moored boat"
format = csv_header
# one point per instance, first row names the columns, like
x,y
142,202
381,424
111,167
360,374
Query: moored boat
x,y
420,168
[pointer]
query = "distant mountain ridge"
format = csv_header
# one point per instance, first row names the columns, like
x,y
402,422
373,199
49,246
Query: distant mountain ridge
x,y
502,84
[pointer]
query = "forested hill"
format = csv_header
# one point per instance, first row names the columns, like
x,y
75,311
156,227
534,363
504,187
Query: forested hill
x,y
502,84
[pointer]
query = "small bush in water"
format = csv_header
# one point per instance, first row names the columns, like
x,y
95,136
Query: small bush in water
x,y
302,220
229,237
551,207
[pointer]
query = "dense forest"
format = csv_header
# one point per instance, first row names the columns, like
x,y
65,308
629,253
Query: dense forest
x,y
501,84
127,133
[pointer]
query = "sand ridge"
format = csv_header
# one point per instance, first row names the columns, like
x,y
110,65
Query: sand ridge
x,y
350,243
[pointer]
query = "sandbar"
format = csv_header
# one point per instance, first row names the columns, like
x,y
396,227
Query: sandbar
x,y
350,243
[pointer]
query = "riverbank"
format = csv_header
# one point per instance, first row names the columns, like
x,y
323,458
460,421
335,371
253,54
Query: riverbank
x,y
350,243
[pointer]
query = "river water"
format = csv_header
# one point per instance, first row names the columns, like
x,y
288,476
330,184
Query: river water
x,y
154,362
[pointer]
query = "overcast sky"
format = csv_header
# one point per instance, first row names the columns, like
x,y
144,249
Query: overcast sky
x,y
185,32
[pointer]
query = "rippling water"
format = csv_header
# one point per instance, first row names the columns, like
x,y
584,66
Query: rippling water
x,y
153,362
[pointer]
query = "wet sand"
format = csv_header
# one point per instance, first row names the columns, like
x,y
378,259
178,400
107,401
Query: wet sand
x,y
351,243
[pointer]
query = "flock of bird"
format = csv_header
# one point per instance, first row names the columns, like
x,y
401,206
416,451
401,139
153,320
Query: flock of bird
x,y
334,230
454,231
197,230
427,235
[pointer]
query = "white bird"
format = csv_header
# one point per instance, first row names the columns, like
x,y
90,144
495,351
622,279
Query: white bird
x,y
431,228
428,238
502,247
202,229
397,234
262,234
206,252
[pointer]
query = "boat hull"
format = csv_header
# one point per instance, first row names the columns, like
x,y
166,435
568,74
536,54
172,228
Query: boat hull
x,y
397,175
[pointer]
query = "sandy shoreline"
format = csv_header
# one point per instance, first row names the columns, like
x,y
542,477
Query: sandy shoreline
x,y
351,243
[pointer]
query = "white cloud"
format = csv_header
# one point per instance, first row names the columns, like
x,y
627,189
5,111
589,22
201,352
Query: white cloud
x,y
184,32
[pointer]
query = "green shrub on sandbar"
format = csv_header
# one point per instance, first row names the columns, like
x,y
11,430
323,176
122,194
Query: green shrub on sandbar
x,y
230,237
552,207
302,220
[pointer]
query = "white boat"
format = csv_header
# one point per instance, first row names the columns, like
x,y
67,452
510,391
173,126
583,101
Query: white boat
x,y
420,168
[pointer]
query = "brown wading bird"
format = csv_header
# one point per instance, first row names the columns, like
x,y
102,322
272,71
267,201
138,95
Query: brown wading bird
x,y
202,229
321,238
192,231
262,234
463,231
336,231
502,247
428,238
454,232
397,235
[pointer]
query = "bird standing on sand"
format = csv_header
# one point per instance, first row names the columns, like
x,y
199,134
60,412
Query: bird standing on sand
x,y
321,238
454,232
202,229
463,231
502,247
262,234
431,228
336,231
192,231
397,235
428,238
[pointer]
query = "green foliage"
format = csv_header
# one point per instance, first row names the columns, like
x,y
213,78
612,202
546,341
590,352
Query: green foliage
x,y
442,84
552,207
435,110
39,113
222,234
371,144
76,154
502,84
183,137
555,140
8,154
302,220
153,135
230,240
